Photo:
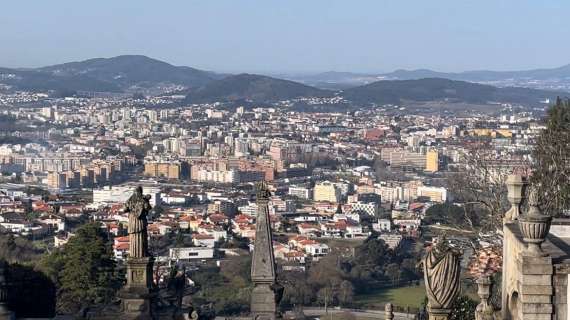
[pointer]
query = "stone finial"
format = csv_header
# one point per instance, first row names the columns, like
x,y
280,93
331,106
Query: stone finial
x,y
534,225
515,187
442,270
262,193
484,310
389,311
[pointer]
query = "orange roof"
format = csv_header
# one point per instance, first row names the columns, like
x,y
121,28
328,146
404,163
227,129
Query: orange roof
x,y
122,239
122,246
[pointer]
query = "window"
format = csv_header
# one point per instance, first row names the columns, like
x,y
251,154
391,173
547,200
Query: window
x,y
192,254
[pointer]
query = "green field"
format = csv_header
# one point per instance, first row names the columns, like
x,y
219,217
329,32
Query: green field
x,y
403,297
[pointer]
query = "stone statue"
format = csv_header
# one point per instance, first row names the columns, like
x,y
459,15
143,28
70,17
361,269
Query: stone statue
x,y
441,266
138,207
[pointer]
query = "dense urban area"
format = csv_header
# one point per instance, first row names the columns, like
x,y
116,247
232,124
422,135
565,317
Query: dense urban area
x,y
357,192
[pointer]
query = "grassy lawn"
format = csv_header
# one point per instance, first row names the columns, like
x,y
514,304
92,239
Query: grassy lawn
x,y
412,296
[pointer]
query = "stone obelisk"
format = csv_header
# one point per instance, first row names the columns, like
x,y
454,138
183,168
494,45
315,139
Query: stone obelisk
x,y
137,295
267,292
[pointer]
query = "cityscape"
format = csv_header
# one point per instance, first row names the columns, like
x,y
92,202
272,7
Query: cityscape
x,y
136,188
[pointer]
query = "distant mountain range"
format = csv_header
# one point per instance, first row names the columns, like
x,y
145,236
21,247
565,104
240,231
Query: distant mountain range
x,y
253,87
348,79
482,75
438,89
132,73
116,74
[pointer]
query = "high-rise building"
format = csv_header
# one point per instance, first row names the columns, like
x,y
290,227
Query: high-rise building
x,y
326,191
169,170
432,161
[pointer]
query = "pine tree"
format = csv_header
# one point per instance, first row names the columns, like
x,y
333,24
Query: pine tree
x,y
84,270
551,157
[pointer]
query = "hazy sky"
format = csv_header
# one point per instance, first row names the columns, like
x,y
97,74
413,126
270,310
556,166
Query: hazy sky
x,y
291,35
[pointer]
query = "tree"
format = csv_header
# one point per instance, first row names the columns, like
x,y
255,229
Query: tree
x,y
551,155
84,270
393,272
345,293
481,187
450,214
30,287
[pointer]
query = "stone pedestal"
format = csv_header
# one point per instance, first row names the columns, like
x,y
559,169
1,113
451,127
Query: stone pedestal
x,y
536,288
138,295
263,302
388,311
438,314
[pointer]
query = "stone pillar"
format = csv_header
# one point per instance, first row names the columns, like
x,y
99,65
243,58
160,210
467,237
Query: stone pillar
x,y
389,311
515,187
438,314
138,294
535,265
484,310
536,288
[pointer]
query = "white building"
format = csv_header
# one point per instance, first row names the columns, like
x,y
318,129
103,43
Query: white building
x,y
120,194
300,192
382,225
369,208
191,253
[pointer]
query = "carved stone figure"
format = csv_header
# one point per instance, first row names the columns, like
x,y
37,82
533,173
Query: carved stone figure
x,y
138,207
441,266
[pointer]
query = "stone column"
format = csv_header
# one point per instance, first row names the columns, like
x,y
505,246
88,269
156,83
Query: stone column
x,y
516,185
536,265
484,310
389,311
438,314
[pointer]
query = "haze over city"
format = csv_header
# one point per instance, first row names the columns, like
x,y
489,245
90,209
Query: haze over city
x,y
292,36
285,160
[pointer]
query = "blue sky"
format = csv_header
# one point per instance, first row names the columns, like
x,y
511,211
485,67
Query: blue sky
x,y
291,35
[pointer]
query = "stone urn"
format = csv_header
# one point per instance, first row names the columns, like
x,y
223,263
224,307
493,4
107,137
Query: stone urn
x,y
534,226
515,187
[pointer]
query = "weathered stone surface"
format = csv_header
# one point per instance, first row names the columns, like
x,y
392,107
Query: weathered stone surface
x,y
137,296
138,207
537,269
266,292
536,279
536,298
528,260
537,289
438,314
538,316
442,270
560,280
537,308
